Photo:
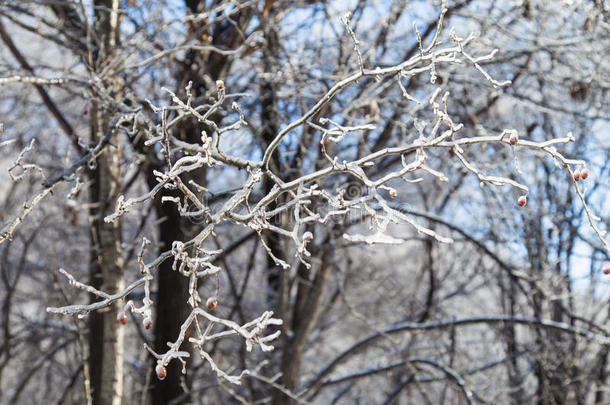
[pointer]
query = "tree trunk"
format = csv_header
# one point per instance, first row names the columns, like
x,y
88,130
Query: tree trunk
x,y
106,335
305,313
172,307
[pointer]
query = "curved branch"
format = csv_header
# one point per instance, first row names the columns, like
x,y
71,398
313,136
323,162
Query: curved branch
x,y
489,320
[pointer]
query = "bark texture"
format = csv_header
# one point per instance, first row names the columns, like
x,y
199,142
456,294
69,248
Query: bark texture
x,y
107,273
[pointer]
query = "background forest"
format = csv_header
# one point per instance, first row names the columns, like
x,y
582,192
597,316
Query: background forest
x,y
304,201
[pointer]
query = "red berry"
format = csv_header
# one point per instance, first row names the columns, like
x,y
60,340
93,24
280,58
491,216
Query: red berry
x,y
522,201
307,236
514,139
577,175
122,318
85,112
606,270
161,371
212,303
147,322
584,174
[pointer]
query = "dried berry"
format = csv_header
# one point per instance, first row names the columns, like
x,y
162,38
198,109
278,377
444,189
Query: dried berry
x,y
147,322
584,173
606,270
122,318
577,175
161,371
522,201
212,303
514,139
307,237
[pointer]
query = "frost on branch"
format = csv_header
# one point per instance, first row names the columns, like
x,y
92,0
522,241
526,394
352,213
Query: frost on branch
x,y
252,333
300,209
